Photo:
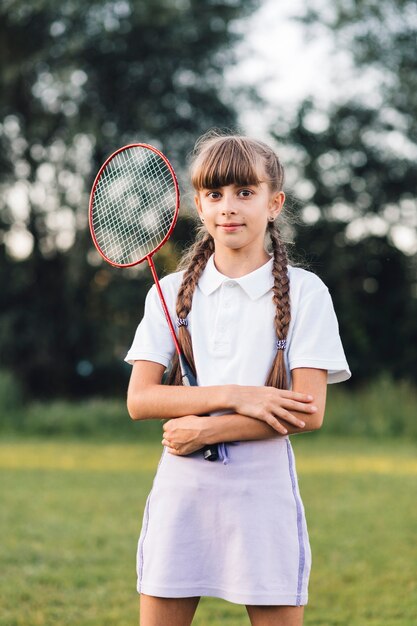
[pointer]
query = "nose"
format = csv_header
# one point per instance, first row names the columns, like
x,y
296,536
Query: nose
x,y
228,205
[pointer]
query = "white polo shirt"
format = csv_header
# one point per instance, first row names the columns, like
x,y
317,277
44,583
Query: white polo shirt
x,y
232,327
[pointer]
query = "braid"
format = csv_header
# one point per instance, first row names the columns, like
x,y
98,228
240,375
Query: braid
x,y
281,297
194,261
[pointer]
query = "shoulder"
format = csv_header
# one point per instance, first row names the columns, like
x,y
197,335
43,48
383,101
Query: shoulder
x,y
304,282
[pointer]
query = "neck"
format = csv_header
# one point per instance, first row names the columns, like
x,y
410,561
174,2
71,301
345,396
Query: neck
x,y
237,263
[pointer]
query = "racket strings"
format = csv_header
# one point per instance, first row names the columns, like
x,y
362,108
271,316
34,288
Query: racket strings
x,y
118,215
134,205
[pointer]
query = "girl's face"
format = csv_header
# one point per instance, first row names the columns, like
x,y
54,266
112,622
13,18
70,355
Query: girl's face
x,y
236,216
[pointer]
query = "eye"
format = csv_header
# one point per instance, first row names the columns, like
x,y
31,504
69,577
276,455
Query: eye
x,y
214,195
245,193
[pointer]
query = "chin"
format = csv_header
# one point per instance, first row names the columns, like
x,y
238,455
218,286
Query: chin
x,y
233,245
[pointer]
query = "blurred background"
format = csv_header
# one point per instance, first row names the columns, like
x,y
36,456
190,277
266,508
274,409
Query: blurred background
x,y
332,84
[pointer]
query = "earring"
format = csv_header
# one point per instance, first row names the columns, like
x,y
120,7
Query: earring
x,y
271,219
202,219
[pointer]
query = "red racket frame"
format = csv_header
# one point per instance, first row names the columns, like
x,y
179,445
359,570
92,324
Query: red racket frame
x,y
148,257
177,201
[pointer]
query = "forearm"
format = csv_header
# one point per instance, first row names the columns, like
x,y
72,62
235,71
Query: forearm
x,y
235,427
149,399
166,402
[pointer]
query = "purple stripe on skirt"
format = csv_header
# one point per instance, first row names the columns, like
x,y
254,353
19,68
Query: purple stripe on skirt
x,y
301,561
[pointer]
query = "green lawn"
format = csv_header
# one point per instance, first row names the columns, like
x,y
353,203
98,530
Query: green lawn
x,y
71,512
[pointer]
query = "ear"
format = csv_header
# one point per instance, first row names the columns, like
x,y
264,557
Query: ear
x,y
277,202
197,203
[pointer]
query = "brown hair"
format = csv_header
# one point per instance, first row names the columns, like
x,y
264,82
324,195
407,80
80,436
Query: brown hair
x,y
221,160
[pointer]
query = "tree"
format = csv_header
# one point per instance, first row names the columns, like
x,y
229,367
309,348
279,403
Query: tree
x,y
79,80
357,163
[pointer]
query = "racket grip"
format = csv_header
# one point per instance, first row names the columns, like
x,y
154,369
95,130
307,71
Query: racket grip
x,y
211,453
188,378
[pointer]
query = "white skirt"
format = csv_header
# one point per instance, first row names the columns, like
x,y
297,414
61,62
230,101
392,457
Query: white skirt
x,y
232,529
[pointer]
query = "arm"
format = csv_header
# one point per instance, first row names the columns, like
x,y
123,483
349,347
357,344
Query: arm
x,y
235,427
189,433
148,399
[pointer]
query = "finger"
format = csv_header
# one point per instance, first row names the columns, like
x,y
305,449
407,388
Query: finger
x,y
171,450
167,443
300,406
296,395
276,425
291,419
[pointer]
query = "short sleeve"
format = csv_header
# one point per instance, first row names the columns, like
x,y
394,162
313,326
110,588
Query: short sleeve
x,y
153,340
315,341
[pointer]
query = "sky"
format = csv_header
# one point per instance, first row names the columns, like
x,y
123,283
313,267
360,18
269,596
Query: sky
x,y
276,55
286,65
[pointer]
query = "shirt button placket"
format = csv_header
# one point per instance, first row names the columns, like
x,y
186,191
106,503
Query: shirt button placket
x,y
222,331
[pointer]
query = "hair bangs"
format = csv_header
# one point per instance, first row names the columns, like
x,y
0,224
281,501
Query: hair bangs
x,y
226,161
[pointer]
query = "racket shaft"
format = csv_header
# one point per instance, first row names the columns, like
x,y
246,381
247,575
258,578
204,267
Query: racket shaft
x,y
188,378
211,452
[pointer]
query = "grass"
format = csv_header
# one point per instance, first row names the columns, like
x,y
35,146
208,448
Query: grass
x,y
71,515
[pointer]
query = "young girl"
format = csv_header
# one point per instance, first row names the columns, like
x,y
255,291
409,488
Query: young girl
x,y
263,339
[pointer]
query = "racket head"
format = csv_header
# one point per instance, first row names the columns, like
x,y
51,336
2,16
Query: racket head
x,y
134,204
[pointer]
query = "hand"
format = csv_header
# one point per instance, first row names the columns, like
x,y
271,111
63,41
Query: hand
x,y
183,435
268,404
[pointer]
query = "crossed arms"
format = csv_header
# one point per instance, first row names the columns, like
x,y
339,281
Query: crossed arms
x,y
250,412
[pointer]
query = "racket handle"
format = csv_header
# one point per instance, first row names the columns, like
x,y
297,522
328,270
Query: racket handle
x,y
211,453
188,378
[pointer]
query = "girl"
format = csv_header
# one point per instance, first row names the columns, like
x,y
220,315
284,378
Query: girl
x,y
263,339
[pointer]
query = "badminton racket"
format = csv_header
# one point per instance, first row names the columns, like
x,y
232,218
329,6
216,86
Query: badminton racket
x,y
133,209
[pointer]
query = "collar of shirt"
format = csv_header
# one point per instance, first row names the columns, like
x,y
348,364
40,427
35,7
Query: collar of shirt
x,y
255,284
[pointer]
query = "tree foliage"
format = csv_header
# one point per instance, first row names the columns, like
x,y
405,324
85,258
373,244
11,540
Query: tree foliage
x,y
79,79
381,35
358,172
